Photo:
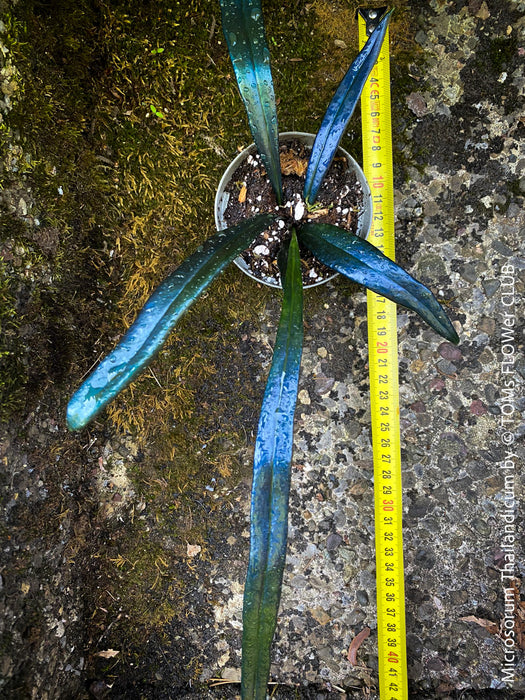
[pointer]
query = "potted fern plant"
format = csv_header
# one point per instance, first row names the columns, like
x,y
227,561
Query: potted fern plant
x,y
299,229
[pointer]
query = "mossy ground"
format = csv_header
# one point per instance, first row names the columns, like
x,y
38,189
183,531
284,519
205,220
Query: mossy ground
x,y
121,118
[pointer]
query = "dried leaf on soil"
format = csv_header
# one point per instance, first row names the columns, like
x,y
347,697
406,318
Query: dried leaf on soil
x,y
107,654
292,165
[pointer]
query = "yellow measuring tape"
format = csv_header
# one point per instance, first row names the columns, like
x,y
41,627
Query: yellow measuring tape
x,y
384,386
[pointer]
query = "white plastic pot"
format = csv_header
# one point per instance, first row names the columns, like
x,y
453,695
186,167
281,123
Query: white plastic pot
x,y
222,198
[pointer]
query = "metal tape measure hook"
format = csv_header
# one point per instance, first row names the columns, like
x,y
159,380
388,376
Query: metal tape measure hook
x,y
372,17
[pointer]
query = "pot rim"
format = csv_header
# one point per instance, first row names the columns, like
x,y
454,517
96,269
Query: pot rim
x,y
221,200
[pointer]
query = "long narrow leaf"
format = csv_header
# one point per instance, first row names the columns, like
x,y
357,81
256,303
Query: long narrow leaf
x,y
243,28
158,316
364,263
340,111
270,490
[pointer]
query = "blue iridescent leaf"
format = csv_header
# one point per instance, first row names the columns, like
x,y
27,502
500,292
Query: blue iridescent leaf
x,y
271,483
362,262
158,316
340,111
243,28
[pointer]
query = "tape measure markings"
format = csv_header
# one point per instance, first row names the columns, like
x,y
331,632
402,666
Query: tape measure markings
x,y
384,386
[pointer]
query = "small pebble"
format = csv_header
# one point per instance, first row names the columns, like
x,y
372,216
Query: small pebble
x,y
478,408
299,211
304,397
450,352
261,250
333,541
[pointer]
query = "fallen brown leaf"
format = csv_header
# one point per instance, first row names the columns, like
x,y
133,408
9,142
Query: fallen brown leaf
x,y
108,653
489,625
355,644
292,165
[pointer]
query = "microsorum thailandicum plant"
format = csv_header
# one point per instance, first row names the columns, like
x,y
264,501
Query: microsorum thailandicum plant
x,y
337,248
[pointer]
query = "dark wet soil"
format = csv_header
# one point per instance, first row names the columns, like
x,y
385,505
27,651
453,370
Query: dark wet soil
x,y
339,202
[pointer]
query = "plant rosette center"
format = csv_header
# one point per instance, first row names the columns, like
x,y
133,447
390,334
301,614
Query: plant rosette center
x,y
248,192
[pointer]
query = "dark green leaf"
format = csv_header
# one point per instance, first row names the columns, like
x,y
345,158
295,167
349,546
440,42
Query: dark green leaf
x,y
271,483
364,263
340,111
243,28
160,313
